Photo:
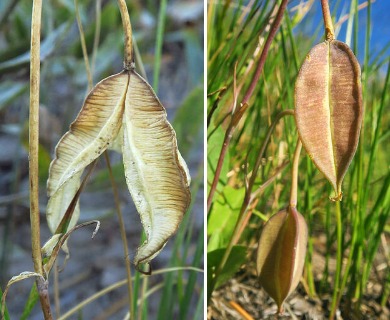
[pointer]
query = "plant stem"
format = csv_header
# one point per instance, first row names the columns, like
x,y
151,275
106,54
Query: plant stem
x,y
33,157
159,42
226,142
264,52
248,94
329,30
339,232
83,45
128,62
294,175
241,218
96,38
123,236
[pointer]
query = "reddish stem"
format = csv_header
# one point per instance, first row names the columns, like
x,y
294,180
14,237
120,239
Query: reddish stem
x,y
234,120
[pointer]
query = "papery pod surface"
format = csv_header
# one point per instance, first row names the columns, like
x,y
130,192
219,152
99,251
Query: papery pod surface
x,y
156,174
123,112
281,254
328,109
95,127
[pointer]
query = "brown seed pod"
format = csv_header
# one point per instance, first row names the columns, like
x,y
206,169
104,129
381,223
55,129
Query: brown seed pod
x,y
281,254
328,109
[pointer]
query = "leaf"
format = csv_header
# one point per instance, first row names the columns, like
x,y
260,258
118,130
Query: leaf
x,y
156,174
22,276
236,258
214,143
47,47
9,90
328,109
281,254
188,122
223,217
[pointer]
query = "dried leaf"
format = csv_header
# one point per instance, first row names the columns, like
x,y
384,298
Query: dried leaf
x,y
281,254
156,174
328,109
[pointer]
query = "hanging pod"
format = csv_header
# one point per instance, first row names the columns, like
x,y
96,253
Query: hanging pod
x,y
124,109
328,109
281,254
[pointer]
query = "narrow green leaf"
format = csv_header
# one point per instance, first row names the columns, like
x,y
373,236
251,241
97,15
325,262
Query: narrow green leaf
x,y
236,258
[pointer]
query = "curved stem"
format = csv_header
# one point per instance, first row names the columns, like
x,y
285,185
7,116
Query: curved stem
x,y
128,62
83,45
329,30
264,52
294,175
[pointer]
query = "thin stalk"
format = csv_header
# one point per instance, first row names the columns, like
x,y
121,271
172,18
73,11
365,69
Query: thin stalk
x,y
226,142
83,45
96,38
159,42
329,30
119,284
234,121
128,61
264,52
244,208
294,175
123,235
33,157
339,233
56,290
362,193
142,305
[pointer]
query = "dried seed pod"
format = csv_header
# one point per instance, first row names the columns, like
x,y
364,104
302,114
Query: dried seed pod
x,y
281,254
124,109
156,174
328,109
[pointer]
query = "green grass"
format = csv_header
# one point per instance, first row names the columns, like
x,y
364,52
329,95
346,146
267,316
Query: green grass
x,y
364,212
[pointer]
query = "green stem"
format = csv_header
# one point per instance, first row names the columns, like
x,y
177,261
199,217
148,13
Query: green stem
x,y
83,45
294,175
159,42
329,30
336,290
96,38
123,236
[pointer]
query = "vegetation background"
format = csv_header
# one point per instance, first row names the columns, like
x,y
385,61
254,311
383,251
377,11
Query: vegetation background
x,y
347,264
175,73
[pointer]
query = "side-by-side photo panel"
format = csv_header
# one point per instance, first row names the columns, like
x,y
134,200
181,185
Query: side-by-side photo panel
x,y
297,161
102,159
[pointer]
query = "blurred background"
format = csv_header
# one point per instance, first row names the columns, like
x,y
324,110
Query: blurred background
x,y
177,77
